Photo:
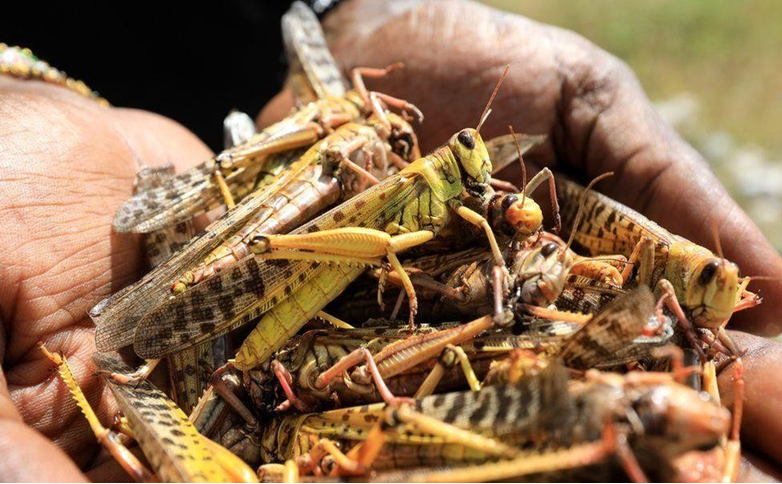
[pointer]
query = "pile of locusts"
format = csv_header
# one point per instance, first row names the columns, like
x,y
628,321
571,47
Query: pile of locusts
x,y
364,312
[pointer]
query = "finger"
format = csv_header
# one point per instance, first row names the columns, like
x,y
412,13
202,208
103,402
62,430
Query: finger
x,y
761,426
590,104
69,165
22,450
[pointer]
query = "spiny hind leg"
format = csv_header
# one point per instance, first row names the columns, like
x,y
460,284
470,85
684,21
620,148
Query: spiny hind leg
x,y
110,440
367,452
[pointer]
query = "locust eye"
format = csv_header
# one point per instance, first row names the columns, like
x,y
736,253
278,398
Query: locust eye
x,y
548,249
466,139
708,272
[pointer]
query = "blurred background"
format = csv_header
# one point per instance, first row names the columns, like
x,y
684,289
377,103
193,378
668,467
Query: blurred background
x,y
713,69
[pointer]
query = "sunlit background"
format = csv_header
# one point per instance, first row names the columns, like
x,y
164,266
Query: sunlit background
x,y
714,70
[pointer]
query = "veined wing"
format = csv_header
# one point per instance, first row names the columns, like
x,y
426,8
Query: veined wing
x,y
502,149
118,315
171,443
313,72
195,191
616,326
586,295
608,227
253,286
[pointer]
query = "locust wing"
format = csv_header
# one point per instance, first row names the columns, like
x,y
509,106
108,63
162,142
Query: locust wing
x,y
608,227
195,191
117,316
253,286
611,330
586,295
502,149
170,442
313,73
535,404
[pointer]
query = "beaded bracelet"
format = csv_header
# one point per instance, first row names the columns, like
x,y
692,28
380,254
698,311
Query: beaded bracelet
x,y
21,63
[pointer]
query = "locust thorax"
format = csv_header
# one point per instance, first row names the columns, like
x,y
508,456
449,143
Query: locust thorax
x,y
473,158
705,285
515,215
541,273
676,419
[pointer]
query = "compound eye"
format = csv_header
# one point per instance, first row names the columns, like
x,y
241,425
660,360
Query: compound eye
x,y
466,139
708,272
548,249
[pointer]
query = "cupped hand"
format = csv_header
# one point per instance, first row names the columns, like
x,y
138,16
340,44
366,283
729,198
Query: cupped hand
x,y
65,166
597,118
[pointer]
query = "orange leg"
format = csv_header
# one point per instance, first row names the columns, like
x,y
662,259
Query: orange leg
x,y
353,359
227,392
285,379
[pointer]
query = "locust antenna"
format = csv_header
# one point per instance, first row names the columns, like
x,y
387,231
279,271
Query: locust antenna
x,y
715,231
523,167
487,109
581,204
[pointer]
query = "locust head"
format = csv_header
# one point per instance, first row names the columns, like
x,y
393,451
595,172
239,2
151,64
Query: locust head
x,y
710,289
470,152
541,273
515,215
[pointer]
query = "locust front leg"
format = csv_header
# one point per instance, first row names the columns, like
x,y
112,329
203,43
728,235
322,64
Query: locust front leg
x,y
225,162
731,447
540,177
354,358
110,440
499,273
346,245
450,356
142,373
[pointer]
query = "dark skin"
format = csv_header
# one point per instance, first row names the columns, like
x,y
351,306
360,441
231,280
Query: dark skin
x,y
66,165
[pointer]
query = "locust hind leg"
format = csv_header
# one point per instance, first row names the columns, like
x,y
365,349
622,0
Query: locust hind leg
x,y
346,245
110,440
366,452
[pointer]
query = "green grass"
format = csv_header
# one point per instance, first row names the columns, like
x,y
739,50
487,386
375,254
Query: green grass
x,y
726,53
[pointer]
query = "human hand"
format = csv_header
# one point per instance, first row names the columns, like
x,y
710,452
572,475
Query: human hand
x,y
66,164
597,119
